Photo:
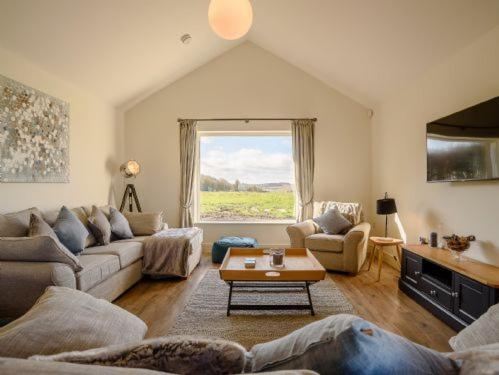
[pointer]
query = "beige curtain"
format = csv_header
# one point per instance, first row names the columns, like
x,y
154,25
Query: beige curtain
x,y
188,161
303,156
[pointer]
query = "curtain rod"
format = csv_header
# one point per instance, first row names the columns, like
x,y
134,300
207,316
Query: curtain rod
x,y
247,119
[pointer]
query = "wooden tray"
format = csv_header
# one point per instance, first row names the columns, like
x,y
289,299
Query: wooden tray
x,y
299,265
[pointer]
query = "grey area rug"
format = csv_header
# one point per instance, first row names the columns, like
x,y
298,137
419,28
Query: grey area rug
x,y
206,311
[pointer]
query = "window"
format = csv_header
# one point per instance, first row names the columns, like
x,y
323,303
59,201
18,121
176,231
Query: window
x,y
245,177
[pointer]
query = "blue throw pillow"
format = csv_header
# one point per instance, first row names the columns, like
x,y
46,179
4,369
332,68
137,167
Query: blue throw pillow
x,y
346,344
70,230
120,227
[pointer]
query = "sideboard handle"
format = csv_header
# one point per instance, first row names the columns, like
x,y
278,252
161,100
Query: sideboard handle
x,y
455,294
417,273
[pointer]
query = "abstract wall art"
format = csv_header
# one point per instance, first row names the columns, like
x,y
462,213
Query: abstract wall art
x,y
34,135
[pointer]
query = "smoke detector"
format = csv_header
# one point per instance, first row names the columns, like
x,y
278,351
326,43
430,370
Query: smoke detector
x,y
186,38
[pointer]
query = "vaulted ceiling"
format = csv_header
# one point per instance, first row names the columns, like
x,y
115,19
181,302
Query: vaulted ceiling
x,y
125,49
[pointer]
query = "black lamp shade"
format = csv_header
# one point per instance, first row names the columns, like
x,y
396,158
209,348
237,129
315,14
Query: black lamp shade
x,y
386,206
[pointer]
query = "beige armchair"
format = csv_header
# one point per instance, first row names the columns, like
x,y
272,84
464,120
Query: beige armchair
x,y
338,252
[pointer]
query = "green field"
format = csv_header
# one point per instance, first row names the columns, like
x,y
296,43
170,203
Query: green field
x,y
246,206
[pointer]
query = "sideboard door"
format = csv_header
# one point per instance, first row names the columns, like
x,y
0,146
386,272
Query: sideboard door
x,y
471,299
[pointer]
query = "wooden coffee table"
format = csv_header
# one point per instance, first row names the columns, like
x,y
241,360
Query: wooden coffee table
x,y
300,270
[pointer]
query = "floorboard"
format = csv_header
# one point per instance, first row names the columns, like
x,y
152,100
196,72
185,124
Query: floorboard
x,y
159,302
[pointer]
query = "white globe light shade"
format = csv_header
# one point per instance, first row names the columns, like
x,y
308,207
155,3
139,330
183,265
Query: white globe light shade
x,y
230,19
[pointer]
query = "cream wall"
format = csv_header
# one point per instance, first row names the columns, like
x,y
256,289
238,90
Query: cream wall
x,y
399,156
247,81
95,145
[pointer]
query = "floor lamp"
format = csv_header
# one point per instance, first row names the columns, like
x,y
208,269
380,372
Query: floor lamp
x,y
130,169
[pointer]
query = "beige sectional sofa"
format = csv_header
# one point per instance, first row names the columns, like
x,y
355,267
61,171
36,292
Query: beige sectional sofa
x,y
107,272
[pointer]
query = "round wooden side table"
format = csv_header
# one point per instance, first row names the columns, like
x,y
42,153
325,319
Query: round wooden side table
x,y
379,243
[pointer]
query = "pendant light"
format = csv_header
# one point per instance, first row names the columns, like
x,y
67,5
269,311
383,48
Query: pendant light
x,y
230,19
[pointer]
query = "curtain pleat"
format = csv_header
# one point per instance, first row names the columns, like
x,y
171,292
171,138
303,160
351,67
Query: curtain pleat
x,y
188,160
303,156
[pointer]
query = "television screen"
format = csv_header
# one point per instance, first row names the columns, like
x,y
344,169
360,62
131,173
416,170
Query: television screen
x,y
465,145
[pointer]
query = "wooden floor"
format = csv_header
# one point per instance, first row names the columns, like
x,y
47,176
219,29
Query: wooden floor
x,y
159,302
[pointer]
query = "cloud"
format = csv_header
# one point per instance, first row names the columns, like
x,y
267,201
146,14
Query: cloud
x,y
248,165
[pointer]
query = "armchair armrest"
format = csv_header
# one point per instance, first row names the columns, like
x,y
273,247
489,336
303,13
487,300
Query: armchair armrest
x,y
299,231
355,247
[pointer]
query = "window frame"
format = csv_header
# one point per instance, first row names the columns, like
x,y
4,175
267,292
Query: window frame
x,y
197,182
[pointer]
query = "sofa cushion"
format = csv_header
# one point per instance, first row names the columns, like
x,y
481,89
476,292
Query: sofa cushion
x,y
120,227
100,226
37,249
70,230
145,223
96,269
176,354
332,222
325,242
66,319
483,331
478,360
127,252
38,227
135,239
349,345
16,224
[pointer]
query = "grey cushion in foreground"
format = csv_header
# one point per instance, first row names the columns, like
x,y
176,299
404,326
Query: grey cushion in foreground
x,y
483,331
16,366
479,360
65,319
175,354
346,344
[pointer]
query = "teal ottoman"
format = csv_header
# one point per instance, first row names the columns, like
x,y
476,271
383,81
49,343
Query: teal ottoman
x,y
221,246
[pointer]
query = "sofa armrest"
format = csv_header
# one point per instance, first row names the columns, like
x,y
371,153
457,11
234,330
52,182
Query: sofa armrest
x,y
21,283
355,247
299,231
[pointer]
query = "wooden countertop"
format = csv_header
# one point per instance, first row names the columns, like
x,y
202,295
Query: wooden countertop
x,y
481,272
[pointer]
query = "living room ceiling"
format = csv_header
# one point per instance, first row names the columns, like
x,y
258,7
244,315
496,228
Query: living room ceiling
x,y
125,49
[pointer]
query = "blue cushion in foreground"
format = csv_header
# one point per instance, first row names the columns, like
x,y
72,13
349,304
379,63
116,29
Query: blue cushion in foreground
x,y
347,344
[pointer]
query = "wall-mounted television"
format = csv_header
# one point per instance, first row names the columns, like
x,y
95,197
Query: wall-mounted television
x,y
464,146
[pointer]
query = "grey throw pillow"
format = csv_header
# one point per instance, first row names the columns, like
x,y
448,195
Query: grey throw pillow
x,y
174,354
333,222
483,331
120,227
65,319
100,226
37,249
38,227
349,345
70,230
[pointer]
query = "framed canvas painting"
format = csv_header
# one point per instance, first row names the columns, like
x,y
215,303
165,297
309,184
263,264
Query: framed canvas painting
x,y
34,135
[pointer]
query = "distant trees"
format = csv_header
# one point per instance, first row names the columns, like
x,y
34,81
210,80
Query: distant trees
x,y
209,183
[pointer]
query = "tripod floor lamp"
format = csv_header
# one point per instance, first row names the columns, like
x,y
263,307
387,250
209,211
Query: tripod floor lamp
x,y
386,206
130,169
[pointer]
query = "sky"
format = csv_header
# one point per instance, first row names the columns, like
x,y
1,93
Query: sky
x,y
250,159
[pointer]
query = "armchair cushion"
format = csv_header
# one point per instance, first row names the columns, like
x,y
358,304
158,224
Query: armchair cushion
x,y
325,242
351,211
332,222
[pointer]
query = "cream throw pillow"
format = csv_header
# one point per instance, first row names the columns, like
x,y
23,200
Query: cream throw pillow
x,y
65,319
145,223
